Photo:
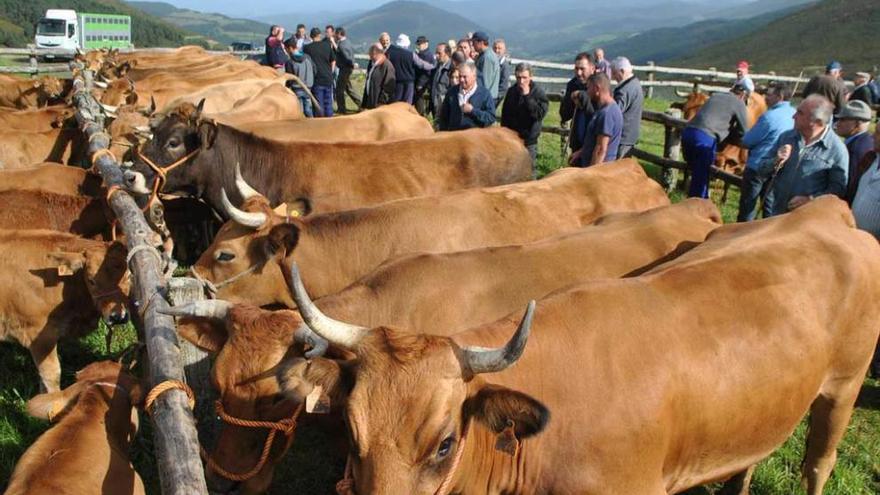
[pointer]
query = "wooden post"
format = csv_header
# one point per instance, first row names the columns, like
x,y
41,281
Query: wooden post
x,y
714,75
651,78
175,436
33,60
671,149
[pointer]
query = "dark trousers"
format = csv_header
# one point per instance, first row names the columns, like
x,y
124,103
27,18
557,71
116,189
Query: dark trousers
x,y
753,187
699,153
533,154
403,91
420,101
343,87
324,95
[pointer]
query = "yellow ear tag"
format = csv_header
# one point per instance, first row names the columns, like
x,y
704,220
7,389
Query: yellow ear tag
x,y
64,271
317,402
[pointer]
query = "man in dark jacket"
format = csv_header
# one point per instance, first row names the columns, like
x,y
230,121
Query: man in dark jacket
x,y
405,63
467,105
275,54
379,87
852,124
423,77
525,106
576,105
345,62
862,90
324,58
629,97
440,77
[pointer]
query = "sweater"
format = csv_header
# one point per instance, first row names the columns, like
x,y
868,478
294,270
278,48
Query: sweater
x,y
402,60
830,88
302,67
525,113
629,97
722,115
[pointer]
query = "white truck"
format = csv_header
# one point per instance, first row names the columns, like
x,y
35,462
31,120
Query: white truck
x,y
61,32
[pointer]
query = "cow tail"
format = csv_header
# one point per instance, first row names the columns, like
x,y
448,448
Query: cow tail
x,y
316,107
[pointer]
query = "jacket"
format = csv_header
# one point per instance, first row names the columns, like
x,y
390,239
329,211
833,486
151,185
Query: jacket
x,y
762,137
859,170
857,147
402,60
275,54
722,115
525,113
439,85
345,54
423,77
504,79
301,66
578,113
379,87
829,87
451,117
488,71
629,97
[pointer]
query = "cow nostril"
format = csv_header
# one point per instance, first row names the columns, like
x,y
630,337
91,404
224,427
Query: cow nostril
x,y
119,317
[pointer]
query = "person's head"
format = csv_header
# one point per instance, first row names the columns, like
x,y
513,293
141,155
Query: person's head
x,y
742,69
315,34
854,118
454,76
340,33
583,67
480,41
500,47
621,69
523,72
777,93
290,45
468,75
443,52
813,115
280,33
599,87
741,91
402,41
377,52
273,30
300,31
600,54
385,40
833,69
459,58
329,31
422,43
862,78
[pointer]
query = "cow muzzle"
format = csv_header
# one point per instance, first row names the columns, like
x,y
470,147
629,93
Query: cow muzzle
x,y
117,316
135,182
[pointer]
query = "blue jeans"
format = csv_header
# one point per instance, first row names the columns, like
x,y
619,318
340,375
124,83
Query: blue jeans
x,y
324,95
753,187
306,103
699,153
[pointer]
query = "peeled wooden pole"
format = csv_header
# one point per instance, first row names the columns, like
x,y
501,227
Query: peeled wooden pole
x,y
176,440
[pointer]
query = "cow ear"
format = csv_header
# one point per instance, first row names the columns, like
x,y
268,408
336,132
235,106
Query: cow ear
x,y
282,238
132,98
67,263
52,405
207,133
322,383
512,415
37,83
208,334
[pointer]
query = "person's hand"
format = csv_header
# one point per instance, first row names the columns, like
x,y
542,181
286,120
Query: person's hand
x,y
783,154
574,158
798,201
524,88
467,108
575,96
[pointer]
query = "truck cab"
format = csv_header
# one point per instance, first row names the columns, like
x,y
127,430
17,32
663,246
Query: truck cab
x,y
58,30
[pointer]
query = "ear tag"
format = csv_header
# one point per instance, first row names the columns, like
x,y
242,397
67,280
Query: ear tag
x,y
507,441
317,402
64,271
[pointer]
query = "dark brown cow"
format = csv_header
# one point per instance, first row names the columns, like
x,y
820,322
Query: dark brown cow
x,y
86,452
56,284
648,385
52,178
35,209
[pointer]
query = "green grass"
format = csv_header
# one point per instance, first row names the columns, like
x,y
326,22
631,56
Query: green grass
x,y
312,467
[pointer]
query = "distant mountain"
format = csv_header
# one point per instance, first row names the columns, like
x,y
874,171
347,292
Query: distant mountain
x,y
844,30
216,27
317,19
18,17
412,18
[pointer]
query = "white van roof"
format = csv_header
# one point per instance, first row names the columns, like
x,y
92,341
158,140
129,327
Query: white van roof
x,y
66,14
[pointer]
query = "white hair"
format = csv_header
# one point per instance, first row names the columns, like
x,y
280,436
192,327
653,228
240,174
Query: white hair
x,y
621,63
403,41
821,109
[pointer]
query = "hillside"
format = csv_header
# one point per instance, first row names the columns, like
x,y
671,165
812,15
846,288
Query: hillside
x,y
412,18
845,30
17,20
217,27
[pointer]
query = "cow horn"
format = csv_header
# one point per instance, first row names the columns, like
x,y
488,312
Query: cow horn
x,y
338,333
481,360
318,344
100,84
109,108
253,220
210,308
244,188
682,94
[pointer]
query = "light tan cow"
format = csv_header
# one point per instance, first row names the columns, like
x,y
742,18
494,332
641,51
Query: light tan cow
x,y
35,120
28,93
53,178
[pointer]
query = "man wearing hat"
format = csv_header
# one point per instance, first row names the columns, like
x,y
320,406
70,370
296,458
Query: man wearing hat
x,y
423,77
742,76
488,67
862,91
405,63
828,85
852,125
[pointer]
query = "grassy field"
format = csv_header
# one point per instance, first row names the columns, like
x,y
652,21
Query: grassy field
x,y
310,469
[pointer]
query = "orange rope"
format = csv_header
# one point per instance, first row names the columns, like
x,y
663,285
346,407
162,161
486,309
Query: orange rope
x,y
164,387
102,152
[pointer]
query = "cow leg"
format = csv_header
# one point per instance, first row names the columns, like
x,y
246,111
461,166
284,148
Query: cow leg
x,y
829,417
45,355
739,483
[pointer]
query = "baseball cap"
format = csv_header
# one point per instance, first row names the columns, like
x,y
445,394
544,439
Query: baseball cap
x,y
421,39
833,65
480,36
742,64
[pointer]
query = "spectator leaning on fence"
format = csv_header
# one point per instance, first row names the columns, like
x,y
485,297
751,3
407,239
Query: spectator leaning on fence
x,y
576,105
602,139
466,105
742,76
602,64
440,77
630,98
488,68
380,83
862,91
345,62
761,141
525,106
500,49
324,58
301,66
811,160
852,125
828,85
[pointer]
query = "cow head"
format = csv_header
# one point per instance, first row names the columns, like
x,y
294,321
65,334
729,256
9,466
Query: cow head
x,y
248,343
130,127
178,136
48,88
409,400
119,92
105,271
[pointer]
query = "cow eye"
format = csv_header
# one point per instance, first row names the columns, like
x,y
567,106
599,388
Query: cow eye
x,y
445,447
173,143
224,256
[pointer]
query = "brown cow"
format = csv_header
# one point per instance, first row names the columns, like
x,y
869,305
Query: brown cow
x,y
86,452
56,284
84,216
29,93
52,178
35,120
649,385
325,176
225,96
336,249
25,149
479,283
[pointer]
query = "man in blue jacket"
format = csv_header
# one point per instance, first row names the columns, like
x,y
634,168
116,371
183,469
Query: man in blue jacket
x,y
760,140
467,105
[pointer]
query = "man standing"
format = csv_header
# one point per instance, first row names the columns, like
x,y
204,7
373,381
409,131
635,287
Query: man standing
x,y
275,55
345,62
500,49
602,138
862,91
301,66
468,104
488,68
385,41
760,141
602,65
525,106
810,159
300,36
852,125
629,97
828,85
379,86
440,77
865,197
724,114
324,58
423,77
742,76
576,105
405,63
